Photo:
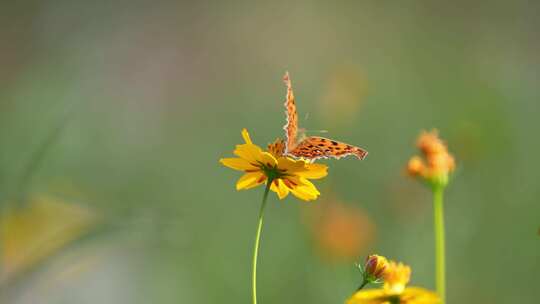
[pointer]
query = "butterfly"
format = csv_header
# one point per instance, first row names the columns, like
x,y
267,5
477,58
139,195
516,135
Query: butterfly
x,y
311,147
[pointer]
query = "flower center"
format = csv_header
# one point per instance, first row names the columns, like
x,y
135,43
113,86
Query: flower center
x,y
272,172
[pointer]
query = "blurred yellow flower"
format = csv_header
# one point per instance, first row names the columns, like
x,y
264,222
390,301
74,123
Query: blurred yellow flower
x,y
39,229
438,161
394,291
286,174
396,277
411,295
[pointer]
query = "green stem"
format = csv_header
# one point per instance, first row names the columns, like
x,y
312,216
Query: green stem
x,y
364,283
257,241
438,210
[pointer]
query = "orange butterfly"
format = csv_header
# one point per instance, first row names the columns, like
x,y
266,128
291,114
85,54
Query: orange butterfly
x,y
312,147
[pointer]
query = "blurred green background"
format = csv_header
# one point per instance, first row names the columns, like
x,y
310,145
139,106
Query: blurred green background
x,y
128,204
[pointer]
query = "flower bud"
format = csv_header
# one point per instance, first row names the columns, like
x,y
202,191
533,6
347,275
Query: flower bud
x,y
375,268
438,163
430,143
416,166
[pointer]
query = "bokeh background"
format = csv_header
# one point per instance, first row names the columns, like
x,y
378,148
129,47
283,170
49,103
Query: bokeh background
x,y
113,115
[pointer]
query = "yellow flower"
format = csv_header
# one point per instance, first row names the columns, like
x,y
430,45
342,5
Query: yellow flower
x,y
394,291
37,231
438,164
411,295
286,174
396,277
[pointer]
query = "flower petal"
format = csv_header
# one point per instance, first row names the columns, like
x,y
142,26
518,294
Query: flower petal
x,y
304,189
314,171
303,195
254,155
236,163
419,295
267,159
369,296
246,137
291,166
279,187
249,152
250,180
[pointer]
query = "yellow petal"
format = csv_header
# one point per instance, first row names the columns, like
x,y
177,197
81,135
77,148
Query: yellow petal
x,y
279,187
254,155
418,295
246,137
314,171
291,166
237,164
250,180
305,190
267,159
248,152
303,195
309,186
369,296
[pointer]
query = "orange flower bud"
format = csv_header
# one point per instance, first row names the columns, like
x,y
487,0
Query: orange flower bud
x,y
375,267
430,143
416,166
438,162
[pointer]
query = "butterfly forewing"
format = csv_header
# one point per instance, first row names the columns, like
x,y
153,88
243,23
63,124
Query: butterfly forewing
x,y
291,127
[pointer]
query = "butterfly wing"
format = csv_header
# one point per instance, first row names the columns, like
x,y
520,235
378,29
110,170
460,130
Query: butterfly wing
x,y
291,127
315,147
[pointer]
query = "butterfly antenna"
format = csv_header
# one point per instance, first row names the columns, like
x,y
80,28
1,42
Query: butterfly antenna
x,y
317,131
306,117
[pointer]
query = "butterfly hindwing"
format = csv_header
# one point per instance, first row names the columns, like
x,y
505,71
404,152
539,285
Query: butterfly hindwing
x,y
315,147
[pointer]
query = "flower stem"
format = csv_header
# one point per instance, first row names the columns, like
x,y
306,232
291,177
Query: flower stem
x,y
438,210
257,240
364,283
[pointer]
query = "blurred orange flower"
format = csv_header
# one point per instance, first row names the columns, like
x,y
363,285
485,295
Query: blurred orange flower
x,y
438,163
341,232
